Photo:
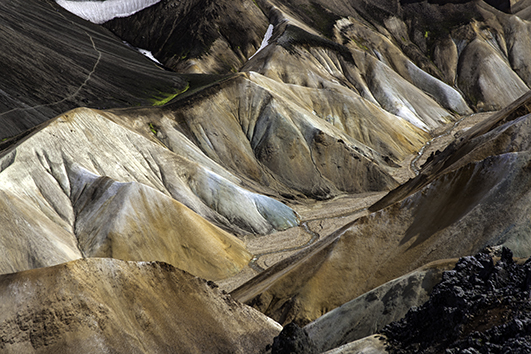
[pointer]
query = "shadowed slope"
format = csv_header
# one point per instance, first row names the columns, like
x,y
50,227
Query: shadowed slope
x,y
198,36
53,61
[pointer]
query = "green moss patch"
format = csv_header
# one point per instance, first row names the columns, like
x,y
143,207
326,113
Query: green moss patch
x,y
164,98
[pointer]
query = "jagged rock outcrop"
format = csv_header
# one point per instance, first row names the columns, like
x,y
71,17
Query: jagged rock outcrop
x,y
480,306
293,340
446,40
107,305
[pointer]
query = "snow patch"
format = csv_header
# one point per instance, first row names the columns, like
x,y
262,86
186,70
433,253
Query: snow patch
x,y
148,54
145,52
265,41
102,11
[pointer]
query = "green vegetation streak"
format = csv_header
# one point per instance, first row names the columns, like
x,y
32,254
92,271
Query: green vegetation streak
x,y
165,98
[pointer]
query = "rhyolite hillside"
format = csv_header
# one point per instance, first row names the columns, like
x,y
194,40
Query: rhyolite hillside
x,y
279,148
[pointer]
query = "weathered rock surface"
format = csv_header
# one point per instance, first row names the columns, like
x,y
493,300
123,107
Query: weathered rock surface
x,y
106,305
273,135
337,97
199,36
370,312
293,340
481,306
120,197
483,201
374,344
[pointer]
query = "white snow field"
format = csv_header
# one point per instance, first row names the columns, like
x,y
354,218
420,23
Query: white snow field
x,y
103,11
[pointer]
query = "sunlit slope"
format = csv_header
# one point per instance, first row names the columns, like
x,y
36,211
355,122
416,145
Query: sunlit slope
x,y
85,181
482,200
106,305
275,139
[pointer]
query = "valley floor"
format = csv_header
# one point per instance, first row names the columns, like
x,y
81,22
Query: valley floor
x,y
320,218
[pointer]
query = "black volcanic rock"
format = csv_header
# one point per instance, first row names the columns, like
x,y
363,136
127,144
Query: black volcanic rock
x,y
479,307
293,340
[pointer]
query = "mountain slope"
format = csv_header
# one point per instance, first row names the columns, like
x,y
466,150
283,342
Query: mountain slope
x,y
483,201
116,198
198,36
54,61
273,108
106,305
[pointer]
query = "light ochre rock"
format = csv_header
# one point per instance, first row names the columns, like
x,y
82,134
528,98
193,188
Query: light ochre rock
x,y
84,183
29,238
479,198
107,305
131,221
457,214
293,140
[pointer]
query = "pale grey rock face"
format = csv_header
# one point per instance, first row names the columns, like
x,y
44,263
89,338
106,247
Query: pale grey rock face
x,y
369,313
86,185
518,47
129,157
491,83
370,345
